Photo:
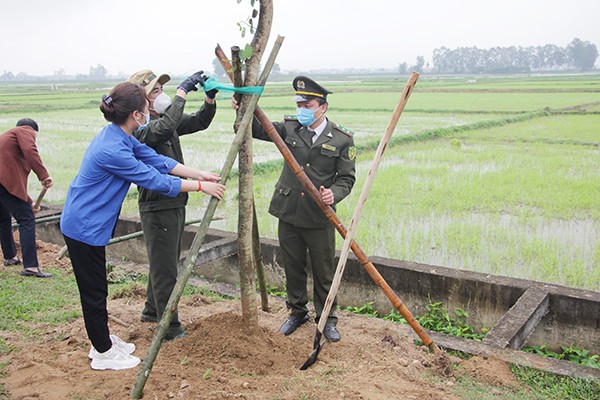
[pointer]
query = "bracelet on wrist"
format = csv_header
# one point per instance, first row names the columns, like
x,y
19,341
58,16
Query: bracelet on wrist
x,y
199,186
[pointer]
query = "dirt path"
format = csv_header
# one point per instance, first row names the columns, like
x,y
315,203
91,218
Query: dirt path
x,y
375,359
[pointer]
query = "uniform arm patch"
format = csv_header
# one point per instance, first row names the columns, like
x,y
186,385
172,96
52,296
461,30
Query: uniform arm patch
x,y
352,152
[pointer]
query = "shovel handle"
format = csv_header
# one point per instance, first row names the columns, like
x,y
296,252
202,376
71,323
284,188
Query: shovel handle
x,y
38,202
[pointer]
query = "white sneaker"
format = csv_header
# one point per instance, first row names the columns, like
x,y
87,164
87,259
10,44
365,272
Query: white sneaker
x,y
114,358
127,348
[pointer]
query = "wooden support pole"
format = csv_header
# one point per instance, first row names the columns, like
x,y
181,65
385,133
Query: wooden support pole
x,y
49,218
258,264
120,239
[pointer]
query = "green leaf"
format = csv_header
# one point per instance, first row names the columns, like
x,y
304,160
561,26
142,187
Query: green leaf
x,y
246,53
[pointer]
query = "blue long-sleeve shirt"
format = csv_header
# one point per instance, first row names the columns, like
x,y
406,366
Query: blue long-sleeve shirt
x,y
111,163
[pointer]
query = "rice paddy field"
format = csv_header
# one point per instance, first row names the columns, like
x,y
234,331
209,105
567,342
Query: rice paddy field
x,y
498,175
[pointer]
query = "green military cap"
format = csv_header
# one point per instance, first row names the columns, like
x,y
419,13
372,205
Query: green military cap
x,y
307,89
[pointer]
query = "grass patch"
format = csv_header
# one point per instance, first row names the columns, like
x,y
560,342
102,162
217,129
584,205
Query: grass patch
x,y
435,318
549,386
29,305
573,354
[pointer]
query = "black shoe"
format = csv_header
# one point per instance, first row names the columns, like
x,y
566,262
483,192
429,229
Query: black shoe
x,y
331,333
148,318
175,333
291,324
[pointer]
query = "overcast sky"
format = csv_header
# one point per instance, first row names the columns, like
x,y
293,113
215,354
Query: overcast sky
x,y
39,37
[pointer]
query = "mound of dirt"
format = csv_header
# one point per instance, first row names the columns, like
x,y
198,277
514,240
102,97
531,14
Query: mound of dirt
x,y
489,370
375,359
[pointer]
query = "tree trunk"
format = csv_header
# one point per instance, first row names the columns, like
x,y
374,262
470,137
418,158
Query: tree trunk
x,y
245,253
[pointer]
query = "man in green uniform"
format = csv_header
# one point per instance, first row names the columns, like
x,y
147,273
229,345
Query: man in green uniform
x,y
326,152
163,218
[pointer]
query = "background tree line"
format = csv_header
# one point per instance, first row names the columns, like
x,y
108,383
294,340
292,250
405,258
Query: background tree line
x,y
578,55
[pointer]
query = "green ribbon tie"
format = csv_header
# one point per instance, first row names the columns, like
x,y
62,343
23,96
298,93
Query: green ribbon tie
x,y
211,83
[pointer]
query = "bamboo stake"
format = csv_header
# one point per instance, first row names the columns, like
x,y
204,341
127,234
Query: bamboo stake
x,y
334,219
188,266
362,199
258,264
120,239
118,321
40,220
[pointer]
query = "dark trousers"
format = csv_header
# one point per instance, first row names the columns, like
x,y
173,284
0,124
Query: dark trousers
x,y
320,243
23,214
89,265
162,233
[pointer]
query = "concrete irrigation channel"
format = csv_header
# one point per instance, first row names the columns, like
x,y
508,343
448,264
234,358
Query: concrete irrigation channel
x,y
518,312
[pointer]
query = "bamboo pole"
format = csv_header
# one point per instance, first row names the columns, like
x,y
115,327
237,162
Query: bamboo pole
x,y
188,266
120,239
258,264
49,218
337,223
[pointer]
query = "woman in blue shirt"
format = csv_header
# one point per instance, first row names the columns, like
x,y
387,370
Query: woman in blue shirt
x,y
112,162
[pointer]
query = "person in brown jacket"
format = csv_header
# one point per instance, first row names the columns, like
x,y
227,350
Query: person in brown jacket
x,y
18,156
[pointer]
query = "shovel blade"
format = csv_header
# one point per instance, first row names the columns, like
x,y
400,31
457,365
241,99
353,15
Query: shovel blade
x,y
316,350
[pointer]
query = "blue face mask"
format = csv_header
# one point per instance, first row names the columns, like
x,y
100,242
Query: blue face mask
x,y
142,126
306,116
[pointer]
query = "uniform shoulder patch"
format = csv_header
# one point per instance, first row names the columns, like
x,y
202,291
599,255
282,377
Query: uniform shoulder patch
x,y
290,117
344,130
352,152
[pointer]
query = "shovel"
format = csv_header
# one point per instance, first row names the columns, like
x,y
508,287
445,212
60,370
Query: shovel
x,y
319,343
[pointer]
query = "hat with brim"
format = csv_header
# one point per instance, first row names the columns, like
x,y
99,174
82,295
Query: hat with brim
x,y
147,79
299,98
307,89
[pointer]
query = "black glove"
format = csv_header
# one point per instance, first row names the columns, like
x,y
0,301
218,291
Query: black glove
x,y
189,84
212,93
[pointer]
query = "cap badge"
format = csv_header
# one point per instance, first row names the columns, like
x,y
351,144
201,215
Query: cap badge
x,y
300,85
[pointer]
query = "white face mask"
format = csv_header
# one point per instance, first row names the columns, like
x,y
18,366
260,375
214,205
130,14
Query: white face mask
x,y
161,103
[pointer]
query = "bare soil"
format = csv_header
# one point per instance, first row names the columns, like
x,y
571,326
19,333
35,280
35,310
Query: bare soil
x,y
375,359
